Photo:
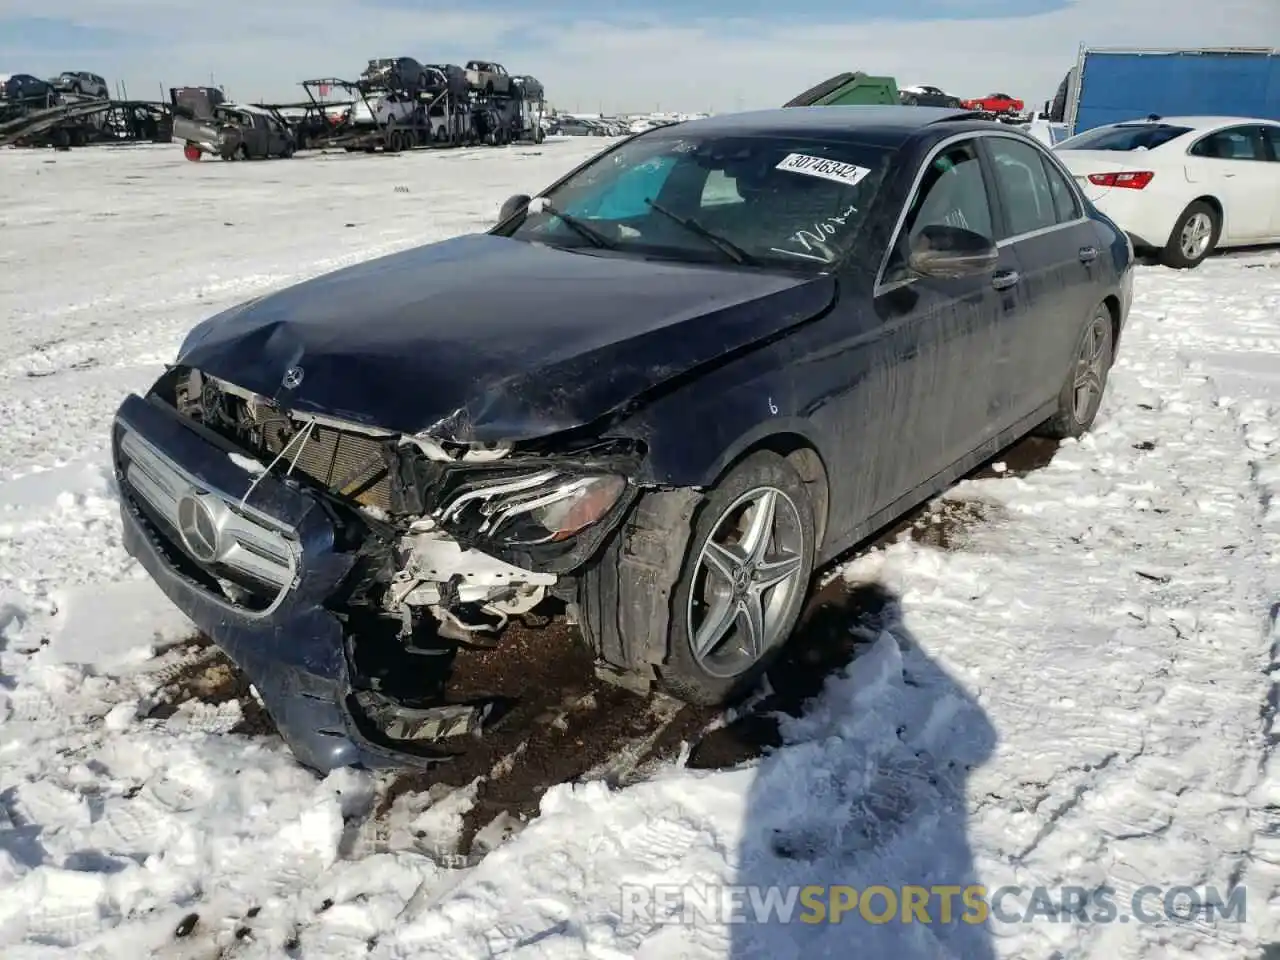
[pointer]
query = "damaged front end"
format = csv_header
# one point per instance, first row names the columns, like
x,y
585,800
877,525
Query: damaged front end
x,y
447,541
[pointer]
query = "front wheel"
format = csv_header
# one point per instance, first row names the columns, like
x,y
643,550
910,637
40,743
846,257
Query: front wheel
x,y
743,582
1081,393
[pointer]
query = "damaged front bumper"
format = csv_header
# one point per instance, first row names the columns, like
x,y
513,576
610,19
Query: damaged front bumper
x,y
255,560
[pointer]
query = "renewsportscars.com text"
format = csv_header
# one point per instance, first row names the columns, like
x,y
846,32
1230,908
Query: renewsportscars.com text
x,y
941,904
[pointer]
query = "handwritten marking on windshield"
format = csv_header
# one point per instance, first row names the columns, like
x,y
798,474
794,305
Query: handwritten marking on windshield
x,y
815,237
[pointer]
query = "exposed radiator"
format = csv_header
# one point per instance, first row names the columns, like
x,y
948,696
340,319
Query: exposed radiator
x,y
348,463
343,461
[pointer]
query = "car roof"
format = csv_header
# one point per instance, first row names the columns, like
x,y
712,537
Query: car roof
x,y
1194,122
881,123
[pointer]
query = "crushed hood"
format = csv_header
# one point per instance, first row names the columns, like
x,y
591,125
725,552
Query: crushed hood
x,y
483,338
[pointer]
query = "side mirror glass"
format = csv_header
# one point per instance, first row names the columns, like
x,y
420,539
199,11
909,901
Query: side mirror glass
x,y
950,252
514,205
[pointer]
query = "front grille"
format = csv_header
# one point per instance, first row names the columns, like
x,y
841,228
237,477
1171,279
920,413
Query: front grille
x,y
245,549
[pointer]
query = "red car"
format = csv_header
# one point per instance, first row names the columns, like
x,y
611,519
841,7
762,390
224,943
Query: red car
x,y
995,103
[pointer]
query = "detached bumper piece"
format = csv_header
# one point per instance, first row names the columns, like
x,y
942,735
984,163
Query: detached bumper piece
x,y
253,561
431,722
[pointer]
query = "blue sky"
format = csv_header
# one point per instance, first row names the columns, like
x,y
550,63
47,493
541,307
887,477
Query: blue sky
x,y
615,55
770,12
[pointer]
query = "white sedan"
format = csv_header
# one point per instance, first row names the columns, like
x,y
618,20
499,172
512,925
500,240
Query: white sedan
x,y
1183,186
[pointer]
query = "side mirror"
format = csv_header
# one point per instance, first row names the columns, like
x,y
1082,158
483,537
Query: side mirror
x,y
952,252
514,205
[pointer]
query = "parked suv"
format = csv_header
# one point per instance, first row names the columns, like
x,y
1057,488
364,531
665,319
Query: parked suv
x,y
25,90
394,73
82,84
488,78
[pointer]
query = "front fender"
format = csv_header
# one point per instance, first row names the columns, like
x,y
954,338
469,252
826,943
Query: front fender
x,y
694,433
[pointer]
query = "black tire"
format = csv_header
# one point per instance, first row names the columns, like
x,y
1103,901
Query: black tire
x,y
1174,254
682,675
1093,356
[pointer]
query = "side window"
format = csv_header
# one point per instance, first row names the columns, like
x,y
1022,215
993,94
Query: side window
x,y
951,193
1065,204
1234,143
1023,185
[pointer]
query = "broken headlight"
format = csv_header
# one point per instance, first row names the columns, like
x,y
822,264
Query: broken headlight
x,y
544,506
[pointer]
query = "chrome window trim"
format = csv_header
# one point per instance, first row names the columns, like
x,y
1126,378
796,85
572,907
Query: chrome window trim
x,y
881,287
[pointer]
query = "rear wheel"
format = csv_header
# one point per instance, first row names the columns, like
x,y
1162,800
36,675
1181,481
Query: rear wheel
x,y
1081,393
1193,238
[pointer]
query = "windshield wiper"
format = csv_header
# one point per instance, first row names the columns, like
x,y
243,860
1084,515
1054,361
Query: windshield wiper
x,y
591,234
724,245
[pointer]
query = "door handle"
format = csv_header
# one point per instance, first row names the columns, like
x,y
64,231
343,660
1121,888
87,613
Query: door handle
x,y
1004,279
1088,253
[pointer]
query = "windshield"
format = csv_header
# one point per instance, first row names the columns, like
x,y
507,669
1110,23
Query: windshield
x,y
1124,137
770,200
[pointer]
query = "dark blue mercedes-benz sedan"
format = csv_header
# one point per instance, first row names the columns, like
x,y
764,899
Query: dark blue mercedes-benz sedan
x,y
663,391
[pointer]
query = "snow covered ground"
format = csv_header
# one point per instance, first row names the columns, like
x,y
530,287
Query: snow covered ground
x,y
1075,695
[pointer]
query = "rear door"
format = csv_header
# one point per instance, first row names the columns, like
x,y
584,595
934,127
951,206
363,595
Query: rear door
x,y
1231,164
1059,275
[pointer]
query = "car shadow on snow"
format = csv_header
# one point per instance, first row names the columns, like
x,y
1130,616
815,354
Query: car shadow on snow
x,y
866,804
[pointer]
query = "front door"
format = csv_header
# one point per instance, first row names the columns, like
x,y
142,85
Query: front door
x,y
1232,163
939,336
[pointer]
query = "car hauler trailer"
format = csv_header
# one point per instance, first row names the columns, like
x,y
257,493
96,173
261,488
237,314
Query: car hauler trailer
x,y
1113,84
83,122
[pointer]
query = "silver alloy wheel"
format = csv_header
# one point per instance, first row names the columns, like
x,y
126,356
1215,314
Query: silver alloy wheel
x,y
746,575
1196,234
1091,368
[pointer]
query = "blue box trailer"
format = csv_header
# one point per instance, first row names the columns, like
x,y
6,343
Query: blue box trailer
x,y
1112,84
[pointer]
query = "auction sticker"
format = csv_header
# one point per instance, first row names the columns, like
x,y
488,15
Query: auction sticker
x,y
849,173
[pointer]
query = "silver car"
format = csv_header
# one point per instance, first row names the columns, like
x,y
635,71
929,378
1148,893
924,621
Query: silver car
x,y
82,84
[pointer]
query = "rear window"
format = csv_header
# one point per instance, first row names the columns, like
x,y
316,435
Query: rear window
x,y
1125,136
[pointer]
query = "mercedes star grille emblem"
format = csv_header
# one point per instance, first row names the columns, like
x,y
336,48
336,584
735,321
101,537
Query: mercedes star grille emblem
x,y
292,378
199,528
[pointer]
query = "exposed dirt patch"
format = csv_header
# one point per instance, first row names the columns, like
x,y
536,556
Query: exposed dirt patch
x,y
565,724
207,674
